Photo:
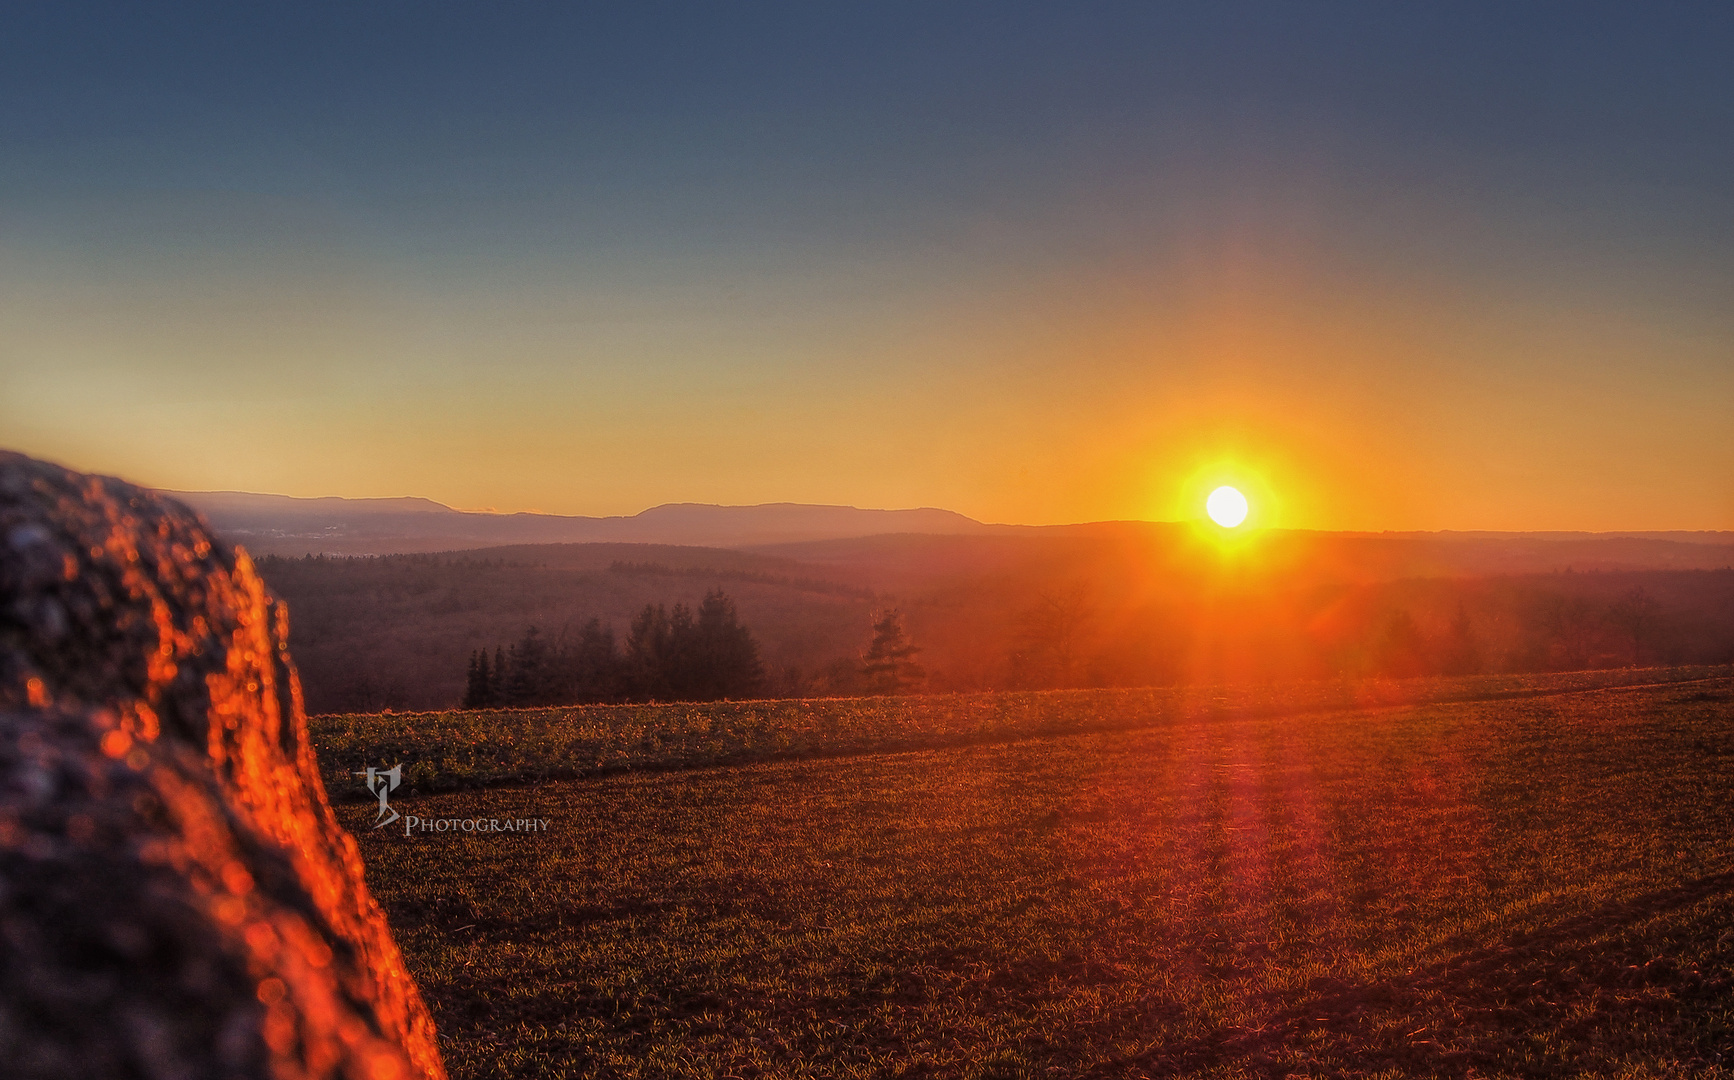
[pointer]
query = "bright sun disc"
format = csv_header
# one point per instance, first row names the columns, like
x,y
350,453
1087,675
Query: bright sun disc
x,y
1226,507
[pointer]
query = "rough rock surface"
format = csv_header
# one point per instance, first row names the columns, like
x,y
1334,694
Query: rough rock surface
x,y
177,900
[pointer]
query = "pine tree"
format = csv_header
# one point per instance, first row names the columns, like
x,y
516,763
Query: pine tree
x,y
476,690
594,666
724,658
650,654
889,666
531,671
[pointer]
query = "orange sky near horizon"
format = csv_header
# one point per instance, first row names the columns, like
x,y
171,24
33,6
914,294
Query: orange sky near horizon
x,y
1333,402
1044,415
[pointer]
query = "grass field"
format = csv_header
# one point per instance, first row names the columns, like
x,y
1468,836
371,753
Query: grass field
x,y
1541,884
455,749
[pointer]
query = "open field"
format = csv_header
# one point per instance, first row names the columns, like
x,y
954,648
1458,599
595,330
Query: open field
x,y
453,749
1533,885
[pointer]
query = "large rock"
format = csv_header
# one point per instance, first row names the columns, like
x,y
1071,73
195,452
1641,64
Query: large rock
x,y
176,898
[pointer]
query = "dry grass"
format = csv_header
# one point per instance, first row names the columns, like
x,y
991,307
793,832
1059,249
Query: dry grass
x,y
1534,886
457,749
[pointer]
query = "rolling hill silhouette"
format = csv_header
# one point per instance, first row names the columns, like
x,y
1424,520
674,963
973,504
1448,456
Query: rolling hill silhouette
x,y
282,525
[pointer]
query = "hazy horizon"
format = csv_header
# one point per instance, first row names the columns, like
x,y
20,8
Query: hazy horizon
x,y
1195,520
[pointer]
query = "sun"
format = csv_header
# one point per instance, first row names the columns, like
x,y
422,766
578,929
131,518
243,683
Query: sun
x,y
1226,507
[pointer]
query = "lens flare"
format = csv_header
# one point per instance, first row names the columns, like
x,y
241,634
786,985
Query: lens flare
x,y
1226,507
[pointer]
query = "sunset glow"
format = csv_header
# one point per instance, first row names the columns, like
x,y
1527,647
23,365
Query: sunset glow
x,y
985,539
755,269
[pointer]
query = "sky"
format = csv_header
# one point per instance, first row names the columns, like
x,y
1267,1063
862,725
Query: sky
x,y
1382,266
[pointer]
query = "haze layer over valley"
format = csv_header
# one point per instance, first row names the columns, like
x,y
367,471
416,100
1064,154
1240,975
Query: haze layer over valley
x,y
389,598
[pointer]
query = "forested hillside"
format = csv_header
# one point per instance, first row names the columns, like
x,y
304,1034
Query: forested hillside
x,y
1121,609
397,631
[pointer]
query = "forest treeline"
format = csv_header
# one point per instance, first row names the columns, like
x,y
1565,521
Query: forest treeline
x,y
398,632
670,654
1394,630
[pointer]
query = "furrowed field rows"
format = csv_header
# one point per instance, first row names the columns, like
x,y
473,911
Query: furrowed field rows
x,y
452,750
1537,886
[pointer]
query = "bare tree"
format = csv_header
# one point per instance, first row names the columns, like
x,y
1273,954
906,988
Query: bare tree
x,y
1045,652
1636,613
1569,627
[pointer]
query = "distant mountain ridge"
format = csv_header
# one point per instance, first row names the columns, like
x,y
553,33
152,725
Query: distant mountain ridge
x,y
286,525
